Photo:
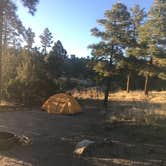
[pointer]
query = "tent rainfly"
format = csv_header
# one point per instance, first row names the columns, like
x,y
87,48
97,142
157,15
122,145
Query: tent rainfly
x,y
61,104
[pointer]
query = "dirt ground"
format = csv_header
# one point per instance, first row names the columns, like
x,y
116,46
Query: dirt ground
x,y
55,136
48,133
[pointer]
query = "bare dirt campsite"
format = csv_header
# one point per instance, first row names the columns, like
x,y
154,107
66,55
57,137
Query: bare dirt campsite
x,y
134,124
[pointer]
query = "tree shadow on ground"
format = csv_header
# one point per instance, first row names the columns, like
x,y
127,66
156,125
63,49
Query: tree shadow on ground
x,y
94,103
134,142
131,144
43,152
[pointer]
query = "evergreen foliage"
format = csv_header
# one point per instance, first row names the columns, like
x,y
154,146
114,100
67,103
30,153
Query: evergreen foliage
x,y
46,40
132,45
114,38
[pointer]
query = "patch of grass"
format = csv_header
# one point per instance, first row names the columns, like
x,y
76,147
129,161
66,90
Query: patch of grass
x,y
136,120
135,123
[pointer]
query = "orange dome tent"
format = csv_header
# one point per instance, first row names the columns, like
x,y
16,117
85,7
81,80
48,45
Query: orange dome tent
x,y
61,104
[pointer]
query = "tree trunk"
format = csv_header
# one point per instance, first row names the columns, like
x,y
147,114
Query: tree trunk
x,y
108,81
128,83
1,29
146,87
106,93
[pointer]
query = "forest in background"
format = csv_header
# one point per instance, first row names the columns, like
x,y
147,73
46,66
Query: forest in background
x,y
131,55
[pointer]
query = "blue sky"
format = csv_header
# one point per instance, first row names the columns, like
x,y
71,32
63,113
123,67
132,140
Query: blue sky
x,y
70,21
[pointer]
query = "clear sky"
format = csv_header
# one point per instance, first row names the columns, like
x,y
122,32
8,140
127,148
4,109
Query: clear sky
x,y
70,21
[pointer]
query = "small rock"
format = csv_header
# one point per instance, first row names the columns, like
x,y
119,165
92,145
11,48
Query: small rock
x,y
82,146
107,140
24,140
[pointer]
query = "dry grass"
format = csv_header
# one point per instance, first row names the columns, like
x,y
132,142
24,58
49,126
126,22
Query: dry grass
x,y
140,105
154,96
134,102
6,103
136,124
89,93
96,93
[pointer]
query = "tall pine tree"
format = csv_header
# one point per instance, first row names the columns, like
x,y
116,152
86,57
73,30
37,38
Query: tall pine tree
x,y
114,38
151,43
130,62
31,5
46,40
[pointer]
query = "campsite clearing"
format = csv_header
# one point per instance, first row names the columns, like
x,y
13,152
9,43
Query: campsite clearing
x,y
138,137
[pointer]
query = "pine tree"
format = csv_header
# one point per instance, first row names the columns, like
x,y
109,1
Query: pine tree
x,y
46,40
137,19
108,52
29,38
12,28
55,60
152,41
30,4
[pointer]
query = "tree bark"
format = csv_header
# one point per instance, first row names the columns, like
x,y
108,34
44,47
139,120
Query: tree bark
x,y
106,93
1,32
108,81
146,86
128,83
